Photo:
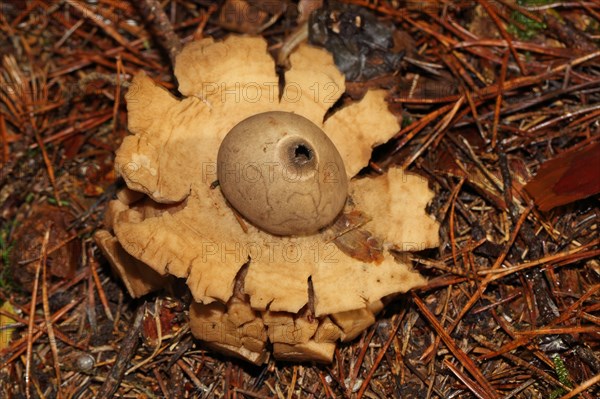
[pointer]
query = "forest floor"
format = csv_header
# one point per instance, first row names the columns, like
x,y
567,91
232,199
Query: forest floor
x,y
500,108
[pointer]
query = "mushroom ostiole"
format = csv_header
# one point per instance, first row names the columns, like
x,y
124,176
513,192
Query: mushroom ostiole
x,y
302,154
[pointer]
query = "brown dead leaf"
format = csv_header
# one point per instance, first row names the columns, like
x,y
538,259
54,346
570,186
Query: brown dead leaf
x,y
6,333
166,316
567,178
356,242
251,17
28,238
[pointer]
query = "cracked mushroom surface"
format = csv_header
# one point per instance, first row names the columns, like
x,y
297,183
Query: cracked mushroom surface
x,y
255,292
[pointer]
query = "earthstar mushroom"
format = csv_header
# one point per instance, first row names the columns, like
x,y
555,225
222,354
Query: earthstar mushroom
x,y
300,290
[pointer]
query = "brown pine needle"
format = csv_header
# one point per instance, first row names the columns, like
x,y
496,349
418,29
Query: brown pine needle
x,y
47,317
36,280
565,330
379,358
499,98
98,283
4,137
469,383
489,9
496,265
460,355
509,285
582,387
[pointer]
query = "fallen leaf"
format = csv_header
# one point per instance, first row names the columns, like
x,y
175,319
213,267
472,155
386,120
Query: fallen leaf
x,y
6,334
354,241
569,177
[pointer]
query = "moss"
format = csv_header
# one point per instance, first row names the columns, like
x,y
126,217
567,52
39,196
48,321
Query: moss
x,y
532,27
52,201
563,376
6,282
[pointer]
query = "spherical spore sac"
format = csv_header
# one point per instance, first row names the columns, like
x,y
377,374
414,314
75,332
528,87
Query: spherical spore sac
x,y
281,172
